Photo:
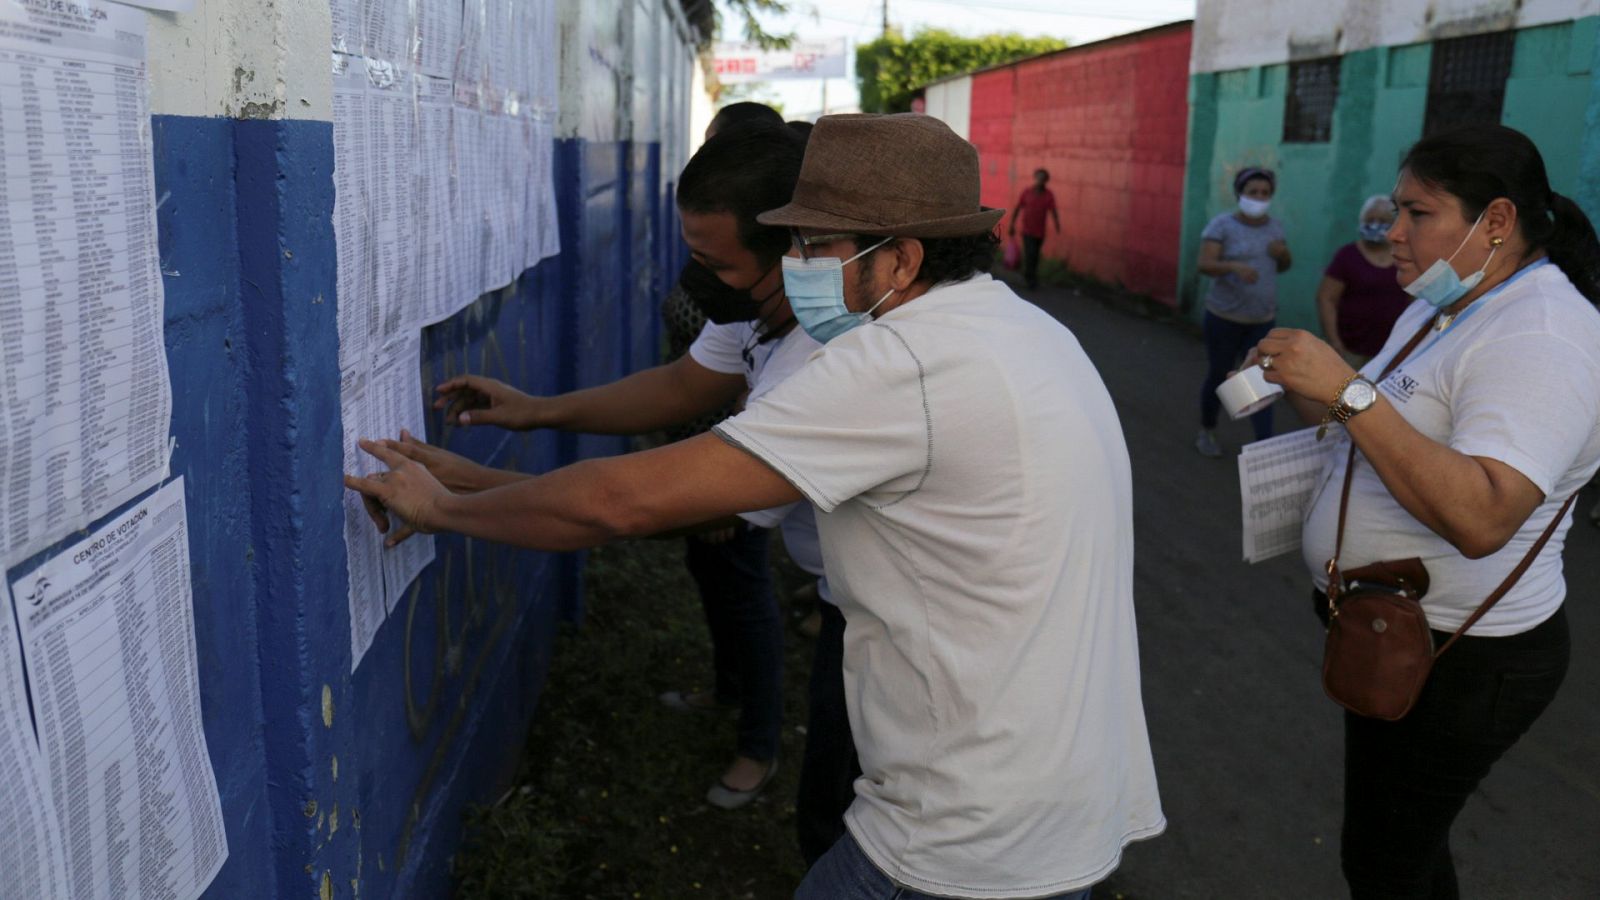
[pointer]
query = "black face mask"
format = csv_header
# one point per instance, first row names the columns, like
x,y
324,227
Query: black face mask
x,y
721,304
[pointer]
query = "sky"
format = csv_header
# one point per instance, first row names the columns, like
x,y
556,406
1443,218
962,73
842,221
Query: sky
x,y
861,21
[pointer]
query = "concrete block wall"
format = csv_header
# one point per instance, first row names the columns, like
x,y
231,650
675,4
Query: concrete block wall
x,y
991,120
1109,121
336,784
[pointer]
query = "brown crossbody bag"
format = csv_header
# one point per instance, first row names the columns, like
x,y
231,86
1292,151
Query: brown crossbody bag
x,y
1379,649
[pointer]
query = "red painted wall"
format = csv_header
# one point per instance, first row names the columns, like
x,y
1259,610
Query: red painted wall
x,y
1110,121
993,105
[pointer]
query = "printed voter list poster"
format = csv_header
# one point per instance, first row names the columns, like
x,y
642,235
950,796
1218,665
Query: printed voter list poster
x,y
85,400
107,634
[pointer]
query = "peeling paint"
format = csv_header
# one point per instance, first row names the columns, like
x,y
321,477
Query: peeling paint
x,y
333,820
261,110
335,766
327,706
327,884
311,808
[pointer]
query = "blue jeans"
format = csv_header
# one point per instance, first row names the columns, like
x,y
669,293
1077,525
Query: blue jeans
x,y
845,873
741,610
1226,344
830,768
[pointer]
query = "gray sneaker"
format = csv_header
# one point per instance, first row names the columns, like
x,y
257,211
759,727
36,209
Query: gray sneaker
x,y
1206,443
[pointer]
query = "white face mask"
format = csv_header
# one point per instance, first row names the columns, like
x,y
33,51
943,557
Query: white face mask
x,y
1254,208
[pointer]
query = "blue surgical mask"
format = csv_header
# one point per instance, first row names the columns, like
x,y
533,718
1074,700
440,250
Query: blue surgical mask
x,y
1440,285
815,288
1376,232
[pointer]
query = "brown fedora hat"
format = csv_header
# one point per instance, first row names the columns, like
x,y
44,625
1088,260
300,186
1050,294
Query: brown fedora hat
x,y
906,175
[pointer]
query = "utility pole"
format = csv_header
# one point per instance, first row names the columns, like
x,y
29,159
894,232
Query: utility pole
x,y
885,18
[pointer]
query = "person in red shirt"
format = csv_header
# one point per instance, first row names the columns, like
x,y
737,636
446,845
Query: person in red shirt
x,y
1031,208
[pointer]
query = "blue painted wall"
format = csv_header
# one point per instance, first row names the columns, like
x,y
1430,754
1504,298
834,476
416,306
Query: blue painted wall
x,y
346,785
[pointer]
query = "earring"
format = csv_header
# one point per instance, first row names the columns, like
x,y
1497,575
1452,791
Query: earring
x,y
1495,242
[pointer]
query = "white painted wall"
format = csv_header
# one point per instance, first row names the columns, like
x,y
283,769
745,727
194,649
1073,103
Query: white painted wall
x,y
701,107
264,59
1236,34
951,102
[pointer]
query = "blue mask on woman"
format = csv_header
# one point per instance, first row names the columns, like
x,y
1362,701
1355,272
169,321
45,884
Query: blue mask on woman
x,y
1440,285
815,288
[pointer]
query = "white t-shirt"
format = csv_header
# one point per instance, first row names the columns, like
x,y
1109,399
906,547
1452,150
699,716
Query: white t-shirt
x,y
976,514
1518,381
734,349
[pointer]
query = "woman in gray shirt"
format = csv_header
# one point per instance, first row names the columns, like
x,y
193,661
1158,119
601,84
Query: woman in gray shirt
x,y
1243,251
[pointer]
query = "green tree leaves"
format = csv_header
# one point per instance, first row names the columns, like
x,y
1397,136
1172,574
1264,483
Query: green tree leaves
x,y
892,68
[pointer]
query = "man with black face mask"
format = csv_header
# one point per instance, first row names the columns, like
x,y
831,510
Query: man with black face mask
x,y
742,342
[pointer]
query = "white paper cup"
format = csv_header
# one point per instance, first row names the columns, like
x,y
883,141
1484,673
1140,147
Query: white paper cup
x,y
1247,392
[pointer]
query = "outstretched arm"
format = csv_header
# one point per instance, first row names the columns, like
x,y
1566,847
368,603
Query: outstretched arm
x,y
655,398
584,504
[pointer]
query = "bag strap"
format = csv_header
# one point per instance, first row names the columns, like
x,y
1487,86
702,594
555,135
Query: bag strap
x,y
1334,582
1511,580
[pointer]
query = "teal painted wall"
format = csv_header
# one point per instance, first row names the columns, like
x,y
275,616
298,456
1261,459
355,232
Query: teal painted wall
x,y
1548,94
1236,120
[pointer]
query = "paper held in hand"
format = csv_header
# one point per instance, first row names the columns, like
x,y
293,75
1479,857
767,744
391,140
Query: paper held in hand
x,y
1277,478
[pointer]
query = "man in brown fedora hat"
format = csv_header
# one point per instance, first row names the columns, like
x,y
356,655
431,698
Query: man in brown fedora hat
x,y
977,528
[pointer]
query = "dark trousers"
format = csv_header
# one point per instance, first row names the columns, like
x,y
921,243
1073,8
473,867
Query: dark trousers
x,y
1405,782
1030,259
1226,344
830,768
746,633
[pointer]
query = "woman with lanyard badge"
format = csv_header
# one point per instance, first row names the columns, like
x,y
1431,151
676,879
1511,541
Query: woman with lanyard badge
x,y
1466,451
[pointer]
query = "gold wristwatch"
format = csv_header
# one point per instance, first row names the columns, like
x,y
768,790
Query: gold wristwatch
x,y
1356,395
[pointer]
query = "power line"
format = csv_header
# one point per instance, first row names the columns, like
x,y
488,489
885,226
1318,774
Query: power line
x,y
1057,11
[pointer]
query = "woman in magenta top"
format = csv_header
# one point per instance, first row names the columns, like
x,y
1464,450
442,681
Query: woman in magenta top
x,y
1359,298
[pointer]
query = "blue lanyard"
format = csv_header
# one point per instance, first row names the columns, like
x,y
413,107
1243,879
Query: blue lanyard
x,y
1477,305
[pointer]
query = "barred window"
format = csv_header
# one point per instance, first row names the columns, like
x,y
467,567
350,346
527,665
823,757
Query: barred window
x,y
1468,82
1308,104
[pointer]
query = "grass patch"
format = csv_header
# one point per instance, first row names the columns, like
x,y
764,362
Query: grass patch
x,y
609,801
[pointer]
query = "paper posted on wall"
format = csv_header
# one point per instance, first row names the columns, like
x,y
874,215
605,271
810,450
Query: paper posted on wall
x,y
1277,477
379,401
30,837
85,400
107,634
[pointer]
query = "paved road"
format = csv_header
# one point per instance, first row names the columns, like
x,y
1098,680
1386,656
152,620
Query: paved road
x,y
1248,750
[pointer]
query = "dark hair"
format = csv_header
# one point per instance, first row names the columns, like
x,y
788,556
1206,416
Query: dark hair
x,y
745,171
1481,163
948,259
801,127
1042,171
1251,173
745,112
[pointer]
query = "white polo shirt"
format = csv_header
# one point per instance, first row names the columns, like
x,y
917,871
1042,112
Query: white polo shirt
x,y
735,349
977,522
